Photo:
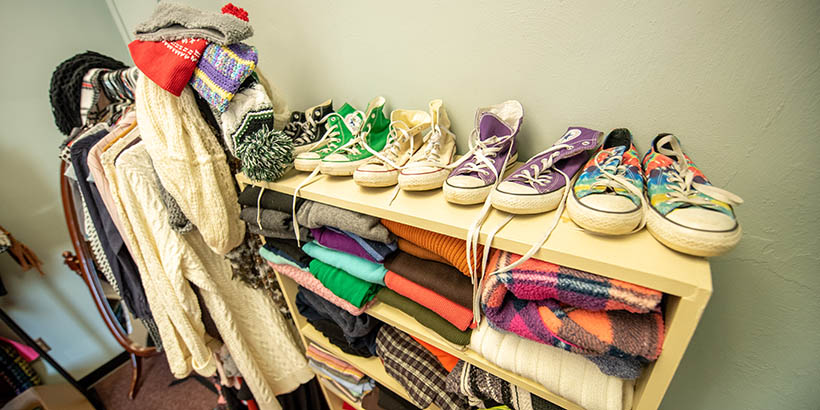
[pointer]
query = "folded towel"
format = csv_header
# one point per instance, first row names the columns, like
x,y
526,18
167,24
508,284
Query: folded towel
x,y
425,316
377,250
507,301
416,369
332,239
444,279
453,250
344,285
460,316
289,249
479,386
308,281
418,251
315,215
569,375
359,267
270,199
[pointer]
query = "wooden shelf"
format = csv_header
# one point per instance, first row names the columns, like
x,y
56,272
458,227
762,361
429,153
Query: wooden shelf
x,y
636,258
339,396
370,366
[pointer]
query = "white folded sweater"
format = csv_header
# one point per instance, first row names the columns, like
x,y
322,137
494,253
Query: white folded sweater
x,y
251,326
566,374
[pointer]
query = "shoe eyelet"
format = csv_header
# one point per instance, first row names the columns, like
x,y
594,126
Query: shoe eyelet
x,y
584,142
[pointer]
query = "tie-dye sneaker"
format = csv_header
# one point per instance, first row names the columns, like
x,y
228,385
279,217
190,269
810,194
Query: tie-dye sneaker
x,y
686,212
607,197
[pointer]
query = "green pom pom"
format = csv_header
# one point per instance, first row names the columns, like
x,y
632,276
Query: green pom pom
x,y
265,154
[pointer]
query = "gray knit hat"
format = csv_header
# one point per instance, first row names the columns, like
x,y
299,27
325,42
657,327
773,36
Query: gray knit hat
x,y
173,21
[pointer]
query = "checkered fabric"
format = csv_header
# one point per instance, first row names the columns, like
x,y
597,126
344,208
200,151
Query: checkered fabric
x,y
479,386
416,369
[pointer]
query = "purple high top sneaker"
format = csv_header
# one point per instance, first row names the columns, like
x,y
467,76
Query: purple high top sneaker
x,y
492,150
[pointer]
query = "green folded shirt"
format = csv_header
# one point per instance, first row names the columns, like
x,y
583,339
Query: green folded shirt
x,y
425,316
359,267
344,285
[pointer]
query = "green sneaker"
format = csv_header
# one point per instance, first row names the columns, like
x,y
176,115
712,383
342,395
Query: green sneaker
x,y
342,126
372,137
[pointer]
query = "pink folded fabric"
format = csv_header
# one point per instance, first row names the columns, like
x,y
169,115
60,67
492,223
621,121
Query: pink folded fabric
x,y
312,284
460,316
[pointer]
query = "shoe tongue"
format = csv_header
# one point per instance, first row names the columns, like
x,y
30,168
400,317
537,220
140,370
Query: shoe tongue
x,y
489,125
346,109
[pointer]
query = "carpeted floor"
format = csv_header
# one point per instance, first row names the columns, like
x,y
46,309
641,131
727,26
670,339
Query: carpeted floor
x,y
154,390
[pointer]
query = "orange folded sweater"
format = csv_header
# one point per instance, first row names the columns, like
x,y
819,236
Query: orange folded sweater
x,y
419,252
453,250
446,359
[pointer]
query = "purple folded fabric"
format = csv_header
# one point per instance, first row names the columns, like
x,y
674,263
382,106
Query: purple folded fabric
x,y
340,242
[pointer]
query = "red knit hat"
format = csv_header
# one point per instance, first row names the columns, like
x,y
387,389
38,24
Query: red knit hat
x,y
170,64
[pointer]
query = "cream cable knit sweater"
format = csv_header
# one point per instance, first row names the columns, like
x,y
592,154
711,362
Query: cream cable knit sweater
x,y
250,325
567,374
190,163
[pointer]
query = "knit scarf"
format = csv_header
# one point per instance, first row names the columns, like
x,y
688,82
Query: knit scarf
x,y
574,310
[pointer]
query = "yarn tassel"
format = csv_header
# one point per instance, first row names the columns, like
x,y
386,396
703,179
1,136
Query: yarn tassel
x,y
265,154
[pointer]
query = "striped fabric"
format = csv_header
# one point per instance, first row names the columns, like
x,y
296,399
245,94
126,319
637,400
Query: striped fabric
x,y
221,70
328,360
416,369
479,386
451,249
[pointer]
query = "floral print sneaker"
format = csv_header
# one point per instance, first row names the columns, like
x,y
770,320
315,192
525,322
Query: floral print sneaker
x,y
341,128
607,197
686,212
307,128
540,184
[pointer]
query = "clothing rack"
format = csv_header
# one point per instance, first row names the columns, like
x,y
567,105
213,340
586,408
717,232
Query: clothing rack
x,y
82,263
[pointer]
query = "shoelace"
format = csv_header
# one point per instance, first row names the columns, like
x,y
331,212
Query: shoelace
x,y
309,127
612,176
683,185
353,121
396,137
536,177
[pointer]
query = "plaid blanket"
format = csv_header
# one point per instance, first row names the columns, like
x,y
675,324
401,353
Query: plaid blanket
x,y
479,386
574,310
416,369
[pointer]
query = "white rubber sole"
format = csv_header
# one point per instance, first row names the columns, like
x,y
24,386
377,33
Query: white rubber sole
x,y
691,241
607,223
423,182
525,204
341,169
376,179
470,196
306,165
304,148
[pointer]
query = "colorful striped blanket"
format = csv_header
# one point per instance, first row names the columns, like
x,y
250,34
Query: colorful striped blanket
x,y
574,310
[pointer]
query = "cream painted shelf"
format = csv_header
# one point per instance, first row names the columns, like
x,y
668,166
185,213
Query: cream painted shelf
x,y
636,258
337,404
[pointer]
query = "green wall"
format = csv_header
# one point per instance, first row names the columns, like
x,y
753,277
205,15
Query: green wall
x,y
738,81
57,306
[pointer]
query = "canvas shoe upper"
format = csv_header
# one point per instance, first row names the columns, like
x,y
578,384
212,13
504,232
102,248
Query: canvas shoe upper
x,y
371,137
607,197
403,140
307,128
538,186
429,166
493,149
686,212
341,126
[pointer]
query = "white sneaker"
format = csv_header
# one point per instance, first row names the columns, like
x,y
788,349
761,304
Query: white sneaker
x,y
428,167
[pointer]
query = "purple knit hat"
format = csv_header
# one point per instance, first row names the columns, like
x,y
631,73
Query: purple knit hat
x,y
221,71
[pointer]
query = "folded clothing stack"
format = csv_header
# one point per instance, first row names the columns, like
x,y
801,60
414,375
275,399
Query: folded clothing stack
x,y
481,387
616,324
353,334
347,379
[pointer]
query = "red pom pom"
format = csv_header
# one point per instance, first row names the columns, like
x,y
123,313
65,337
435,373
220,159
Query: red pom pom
x,y
239,12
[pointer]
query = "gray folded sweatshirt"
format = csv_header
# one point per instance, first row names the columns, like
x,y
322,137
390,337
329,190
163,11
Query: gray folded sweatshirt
x,y
315,215
173,21
274,224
